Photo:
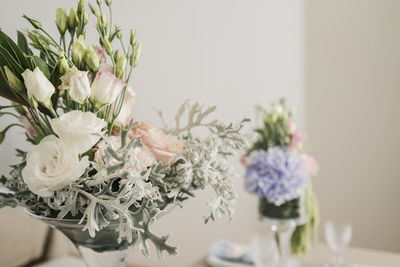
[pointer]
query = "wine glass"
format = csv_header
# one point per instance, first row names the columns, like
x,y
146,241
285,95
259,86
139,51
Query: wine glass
x,y
338,237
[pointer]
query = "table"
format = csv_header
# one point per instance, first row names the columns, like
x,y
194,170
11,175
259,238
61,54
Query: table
x,y
320,255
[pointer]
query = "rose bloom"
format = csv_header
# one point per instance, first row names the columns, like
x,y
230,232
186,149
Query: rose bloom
x,y
106,87
77,83
143,154
165,148
78,129
52,165
297,141
310,163
38,85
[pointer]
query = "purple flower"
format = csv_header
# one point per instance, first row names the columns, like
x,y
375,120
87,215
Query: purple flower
x,y
275,174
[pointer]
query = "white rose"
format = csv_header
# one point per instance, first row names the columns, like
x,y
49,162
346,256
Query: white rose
x,y
52,165
77,83
79,129
106,87
125,114
38,85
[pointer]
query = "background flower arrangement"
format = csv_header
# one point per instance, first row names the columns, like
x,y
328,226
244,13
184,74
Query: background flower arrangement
x,y
279,173
91,160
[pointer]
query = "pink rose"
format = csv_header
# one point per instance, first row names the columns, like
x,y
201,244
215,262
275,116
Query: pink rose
x,y
291,125
310,164
28,126
165,148
297,141
106,87
106,67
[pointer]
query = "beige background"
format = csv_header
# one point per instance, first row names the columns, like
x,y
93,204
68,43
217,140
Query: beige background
x,y
236,53
353,82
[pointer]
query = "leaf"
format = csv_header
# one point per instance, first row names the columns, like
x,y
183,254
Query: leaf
x,y
23,44
11,61
14,50
42,65
5,91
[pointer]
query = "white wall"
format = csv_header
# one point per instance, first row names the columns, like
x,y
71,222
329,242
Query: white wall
x,y
228,53
353,91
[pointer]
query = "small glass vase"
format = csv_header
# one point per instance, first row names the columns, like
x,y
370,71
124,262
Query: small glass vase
x,y
101,251
282,221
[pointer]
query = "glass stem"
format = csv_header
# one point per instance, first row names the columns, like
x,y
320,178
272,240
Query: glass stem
x,y
337,258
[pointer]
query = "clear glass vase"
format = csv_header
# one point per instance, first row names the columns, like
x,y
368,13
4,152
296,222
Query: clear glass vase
x,y
101,251
282,221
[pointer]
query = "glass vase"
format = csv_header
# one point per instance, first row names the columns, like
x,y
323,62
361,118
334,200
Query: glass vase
x,y
101,251
282,221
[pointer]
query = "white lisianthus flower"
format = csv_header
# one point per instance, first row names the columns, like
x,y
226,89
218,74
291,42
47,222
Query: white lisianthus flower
x,y
106,87
38,85
78,129
77,83
125,114
52,165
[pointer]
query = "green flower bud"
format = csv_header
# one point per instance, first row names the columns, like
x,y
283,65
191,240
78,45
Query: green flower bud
x,y
119,35
116,55
36,24
85,18
13,81
101,20
121,66
38,41
107,45
78,51
108,2
73,20
98,2
61,20
63,66
138,51
133,37
93,10
92,59
81,7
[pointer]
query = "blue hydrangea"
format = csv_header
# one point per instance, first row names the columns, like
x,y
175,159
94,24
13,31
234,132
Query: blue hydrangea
x,y
275,174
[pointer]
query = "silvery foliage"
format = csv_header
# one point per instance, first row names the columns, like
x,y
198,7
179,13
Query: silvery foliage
x,y
118,188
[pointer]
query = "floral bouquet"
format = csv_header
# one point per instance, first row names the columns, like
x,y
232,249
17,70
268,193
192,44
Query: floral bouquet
x,y
92,165
279,174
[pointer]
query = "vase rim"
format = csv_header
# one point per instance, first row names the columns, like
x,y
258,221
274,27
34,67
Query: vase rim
x,y
44,218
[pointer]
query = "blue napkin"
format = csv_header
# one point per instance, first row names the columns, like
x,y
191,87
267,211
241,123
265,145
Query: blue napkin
x,y
228,251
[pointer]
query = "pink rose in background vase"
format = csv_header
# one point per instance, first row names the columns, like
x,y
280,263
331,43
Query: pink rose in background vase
x,y
310,163
28,126
297,141
165,148
291,125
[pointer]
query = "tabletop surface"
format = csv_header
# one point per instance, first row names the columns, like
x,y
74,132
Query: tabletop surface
x,y
319,256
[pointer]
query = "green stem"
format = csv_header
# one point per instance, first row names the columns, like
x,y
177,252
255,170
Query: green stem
x,y
9,113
